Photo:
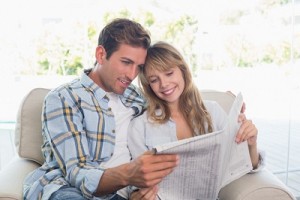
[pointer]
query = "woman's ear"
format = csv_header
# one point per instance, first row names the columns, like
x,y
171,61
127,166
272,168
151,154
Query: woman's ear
x,y
100,54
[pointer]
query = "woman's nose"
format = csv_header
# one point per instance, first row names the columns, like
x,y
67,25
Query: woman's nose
x,y
163,83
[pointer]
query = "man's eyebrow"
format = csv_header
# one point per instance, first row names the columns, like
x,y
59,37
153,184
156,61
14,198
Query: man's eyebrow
x,y
127,59
131,61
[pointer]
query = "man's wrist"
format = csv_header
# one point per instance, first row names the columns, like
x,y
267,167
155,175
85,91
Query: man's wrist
x,y
123,174
112,180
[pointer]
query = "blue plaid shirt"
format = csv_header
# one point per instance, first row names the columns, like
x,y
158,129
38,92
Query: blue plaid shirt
x,y
79,134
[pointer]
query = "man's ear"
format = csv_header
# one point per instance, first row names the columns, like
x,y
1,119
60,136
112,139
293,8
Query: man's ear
x,y
100,54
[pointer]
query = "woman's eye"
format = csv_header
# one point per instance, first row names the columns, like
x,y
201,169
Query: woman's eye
x,y
153,80
169,73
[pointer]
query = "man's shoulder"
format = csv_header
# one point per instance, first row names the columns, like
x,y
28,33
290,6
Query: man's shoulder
x,y
66,88
73,84
133,94
132,97
132,90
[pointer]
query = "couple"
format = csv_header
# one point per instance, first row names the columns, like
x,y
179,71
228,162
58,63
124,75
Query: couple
x,y
87,122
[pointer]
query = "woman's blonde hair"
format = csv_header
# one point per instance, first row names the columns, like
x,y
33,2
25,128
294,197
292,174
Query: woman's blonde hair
x,y
163,56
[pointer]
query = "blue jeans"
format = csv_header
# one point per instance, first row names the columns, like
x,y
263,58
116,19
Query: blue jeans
x,y
67,193
71,193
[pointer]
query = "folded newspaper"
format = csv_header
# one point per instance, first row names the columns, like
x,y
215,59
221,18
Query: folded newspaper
x,y
207,162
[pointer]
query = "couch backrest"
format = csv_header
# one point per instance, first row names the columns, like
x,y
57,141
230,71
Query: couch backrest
x,y
225,99
28,133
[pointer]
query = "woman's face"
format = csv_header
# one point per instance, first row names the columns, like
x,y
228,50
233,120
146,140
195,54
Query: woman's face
x,y
167,85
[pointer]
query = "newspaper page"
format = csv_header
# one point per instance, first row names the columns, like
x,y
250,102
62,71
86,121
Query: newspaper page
x,y
207,162
237,156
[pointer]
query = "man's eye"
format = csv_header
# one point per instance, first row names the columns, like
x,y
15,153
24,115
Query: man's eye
x,y
126,62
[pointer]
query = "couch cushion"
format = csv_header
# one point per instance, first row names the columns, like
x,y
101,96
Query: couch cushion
x,y
28,133
12,176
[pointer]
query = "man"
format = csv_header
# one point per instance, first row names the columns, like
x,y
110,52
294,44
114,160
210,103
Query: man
x,y
85,127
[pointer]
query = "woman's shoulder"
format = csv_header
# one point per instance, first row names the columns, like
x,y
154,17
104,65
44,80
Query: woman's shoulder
x,y
213,107
209,104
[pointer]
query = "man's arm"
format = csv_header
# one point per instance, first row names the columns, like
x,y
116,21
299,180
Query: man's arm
x,y
145,171
63,128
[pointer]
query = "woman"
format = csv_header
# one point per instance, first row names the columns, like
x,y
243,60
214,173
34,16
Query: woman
x,y
175,109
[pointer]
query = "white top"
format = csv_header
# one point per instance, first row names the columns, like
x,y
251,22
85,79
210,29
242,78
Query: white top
x,y
143,134
122,115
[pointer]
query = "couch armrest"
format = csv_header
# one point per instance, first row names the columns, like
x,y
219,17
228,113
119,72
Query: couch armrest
x,y
261,185
12,176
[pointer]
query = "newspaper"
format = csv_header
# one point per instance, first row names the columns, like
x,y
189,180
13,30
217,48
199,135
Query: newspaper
x,y
207,162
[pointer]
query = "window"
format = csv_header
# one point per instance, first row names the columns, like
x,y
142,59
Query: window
x,y
237,45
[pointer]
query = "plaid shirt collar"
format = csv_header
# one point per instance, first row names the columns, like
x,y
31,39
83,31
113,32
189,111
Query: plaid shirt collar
x,y
131,97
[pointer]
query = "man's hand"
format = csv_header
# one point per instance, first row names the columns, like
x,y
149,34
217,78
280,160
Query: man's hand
x,y
145,171
145,194
148,169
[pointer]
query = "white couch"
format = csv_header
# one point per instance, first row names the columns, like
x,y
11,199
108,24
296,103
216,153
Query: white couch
x,y
28,140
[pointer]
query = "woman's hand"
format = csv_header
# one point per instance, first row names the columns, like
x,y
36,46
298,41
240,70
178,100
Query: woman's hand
x,y
145,194
247,131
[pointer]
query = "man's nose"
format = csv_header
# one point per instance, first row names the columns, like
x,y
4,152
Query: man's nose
x,y
133,72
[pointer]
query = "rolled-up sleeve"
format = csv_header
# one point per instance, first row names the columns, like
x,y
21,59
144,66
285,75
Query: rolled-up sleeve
x,y
261,162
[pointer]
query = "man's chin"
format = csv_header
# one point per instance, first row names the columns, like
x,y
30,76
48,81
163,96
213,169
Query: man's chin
x,y
119,91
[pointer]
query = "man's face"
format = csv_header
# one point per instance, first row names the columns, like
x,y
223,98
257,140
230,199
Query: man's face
x,y
116,73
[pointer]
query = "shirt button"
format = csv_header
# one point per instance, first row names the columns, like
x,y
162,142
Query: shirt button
x,y
113,131
109,109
